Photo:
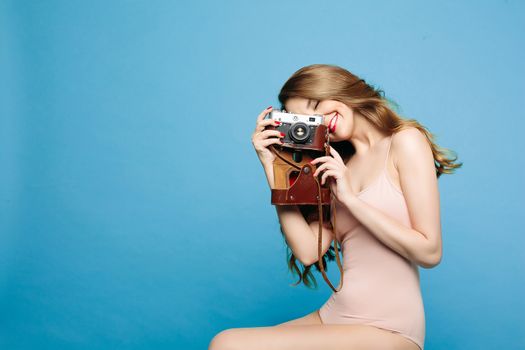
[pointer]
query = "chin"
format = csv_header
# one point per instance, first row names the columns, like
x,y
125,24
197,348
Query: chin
x,y
338,138
335,137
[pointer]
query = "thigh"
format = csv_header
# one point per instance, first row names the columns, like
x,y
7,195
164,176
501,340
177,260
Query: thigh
x,y
311,318
310,337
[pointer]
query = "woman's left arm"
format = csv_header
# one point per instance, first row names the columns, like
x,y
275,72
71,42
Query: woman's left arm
x,y
415,163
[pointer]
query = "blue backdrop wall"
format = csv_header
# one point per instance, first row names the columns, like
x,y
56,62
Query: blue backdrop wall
x,y
135,213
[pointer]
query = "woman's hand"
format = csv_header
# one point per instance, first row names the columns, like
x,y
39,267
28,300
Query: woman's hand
x,y
261,137
335,168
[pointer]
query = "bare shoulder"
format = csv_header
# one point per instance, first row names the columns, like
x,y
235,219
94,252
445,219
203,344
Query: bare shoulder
x,y
410,144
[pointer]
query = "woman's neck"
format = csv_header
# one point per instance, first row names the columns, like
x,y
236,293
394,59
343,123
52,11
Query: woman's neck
x,y
365,135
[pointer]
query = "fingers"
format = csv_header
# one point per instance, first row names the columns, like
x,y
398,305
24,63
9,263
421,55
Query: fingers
x,y
263,123
321,159
322,167
326,174
262,139
336,155
266,133
264,113
270,141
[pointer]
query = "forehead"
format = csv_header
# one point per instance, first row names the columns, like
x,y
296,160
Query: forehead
x,y
297,105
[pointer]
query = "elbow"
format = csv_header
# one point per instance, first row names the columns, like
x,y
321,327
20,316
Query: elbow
x,y
308,257
307,261
431,260
429,254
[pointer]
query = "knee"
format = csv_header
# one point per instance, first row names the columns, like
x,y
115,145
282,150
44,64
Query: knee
x,y
223,340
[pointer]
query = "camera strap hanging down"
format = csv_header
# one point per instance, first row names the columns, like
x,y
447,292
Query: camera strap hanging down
x,y
289,196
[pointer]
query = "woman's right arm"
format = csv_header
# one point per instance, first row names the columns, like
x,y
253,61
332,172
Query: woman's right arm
x,y
300,234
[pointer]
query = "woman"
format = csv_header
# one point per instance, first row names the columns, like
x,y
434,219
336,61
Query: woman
x,y
384,181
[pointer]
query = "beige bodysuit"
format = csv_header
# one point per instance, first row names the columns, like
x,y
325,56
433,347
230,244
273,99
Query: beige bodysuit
x,y
380,287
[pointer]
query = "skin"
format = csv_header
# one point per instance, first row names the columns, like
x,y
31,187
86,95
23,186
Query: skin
x,y
410,167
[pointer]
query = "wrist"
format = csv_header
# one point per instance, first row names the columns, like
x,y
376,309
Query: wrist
x,y
350,201
268,170
267,164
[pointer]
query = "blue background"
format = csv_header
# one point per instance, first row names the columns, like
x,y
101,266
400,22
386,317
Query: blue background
x,y
134,210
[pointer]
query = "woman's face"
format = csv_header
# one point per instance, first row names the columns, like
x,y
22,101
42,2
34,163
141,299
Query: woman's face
x,y
338,117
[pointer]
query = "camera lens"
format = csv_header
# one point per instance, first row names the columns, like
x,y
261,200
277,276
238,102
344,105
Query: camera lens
x,y
299,132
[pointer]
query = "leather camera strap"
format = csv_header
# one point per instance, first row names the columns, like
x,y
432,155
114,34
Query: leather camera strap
x,y
272,148
320,235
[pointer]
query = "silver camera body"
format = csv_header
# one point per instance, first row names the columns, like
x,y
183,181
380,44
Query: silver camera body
x,y
297,128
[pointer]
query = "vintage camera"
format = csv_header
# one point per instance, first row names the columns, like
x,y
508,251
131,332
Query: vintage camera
x,y
299,129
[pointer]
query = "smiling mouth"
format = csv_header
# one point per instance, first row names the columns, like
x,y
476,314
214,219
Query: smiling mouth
x,y
332,124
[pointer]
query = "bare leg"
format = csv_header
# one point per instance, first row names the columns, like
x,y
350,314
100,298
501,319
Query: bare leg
x,y
311,318
297,336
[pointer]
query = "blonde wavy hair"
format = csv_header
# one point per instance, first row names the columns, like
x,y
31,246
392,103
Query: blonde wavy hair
x,y
330,82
